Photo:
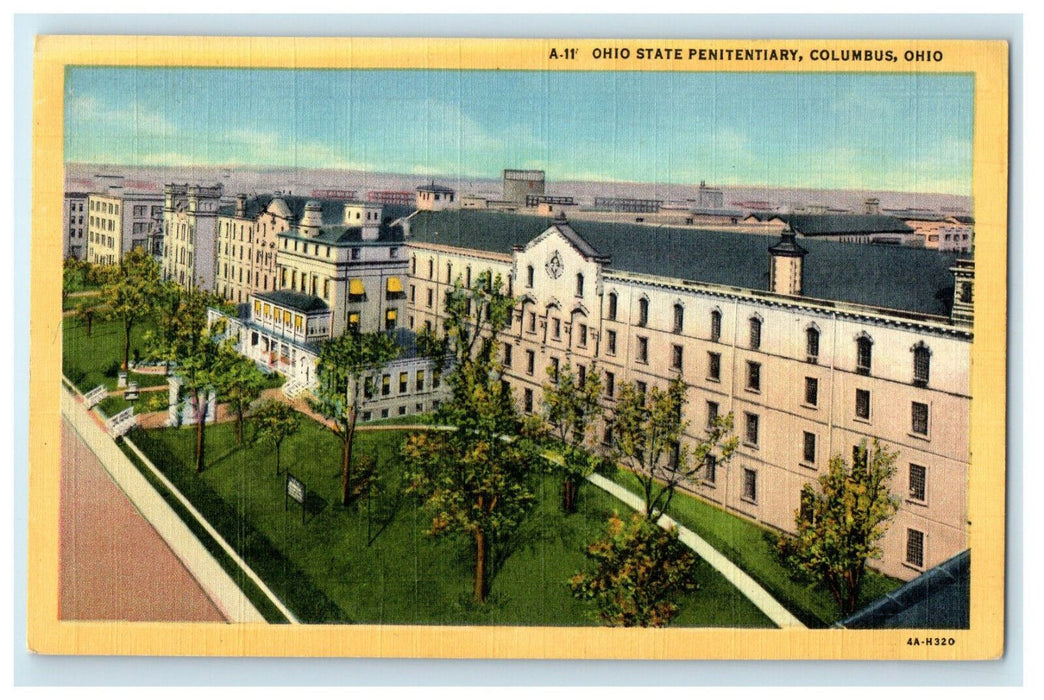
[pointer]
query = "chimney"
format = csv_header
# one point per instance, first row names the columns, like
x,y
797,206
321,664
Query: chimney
x,y
241,205
312,220
786,266
963,311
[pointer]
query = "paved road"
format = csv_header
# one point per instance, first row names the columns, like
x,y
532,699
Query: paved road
x,y
113,564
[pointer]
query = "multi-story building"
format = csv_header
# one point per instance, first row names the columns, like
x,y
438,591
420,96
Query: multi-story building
x,y
117,223
435,197
520,184
190,234
75,218
812,347
246,243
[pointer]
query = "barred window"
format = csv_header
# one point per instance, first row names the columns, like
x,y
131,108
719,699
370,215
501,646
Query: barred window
x,y
753,376
610,342
610,384
714,366
864,349
679,318
712,413
676,357
710,469
750,485
862,404
812,345
915,548
918,482
919,418
922,362
752,429
755,333
715,318
809,452
811,391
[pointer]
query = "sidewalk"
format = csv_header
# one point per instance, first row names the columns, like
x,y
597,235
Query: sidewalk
x,y
732,573
200,563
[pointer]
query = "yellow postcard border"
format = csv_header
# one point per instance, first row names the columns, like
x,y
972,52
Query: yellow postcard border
x,y
987,60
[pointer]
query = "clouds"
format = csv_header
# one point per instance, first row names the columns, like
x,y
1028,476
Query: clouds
x,y
810,130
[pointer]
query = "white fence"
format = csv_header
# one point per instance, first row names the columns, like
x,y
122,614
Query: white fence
x,y
123,421
93,397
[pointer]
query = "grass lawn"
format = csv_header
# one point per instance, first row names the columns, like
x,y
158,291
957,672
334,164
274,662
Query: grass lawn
x,y
374,563
90,361
748,546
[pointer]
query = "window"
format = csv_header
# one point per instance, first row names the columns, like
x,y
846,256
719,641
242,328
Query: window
x,y
864,347
755,333
753,376
413,293
582,341
811,391
641,388
529,275
420,381
809,451
715,334
507,354
915,548
712,413
862,404
610,384
921,361
679,318
859,456
430,299
750,485
917,482
966,292
431,268
556,328
610,342
710,469
611,313
386,385
449,272
643,312
643,350
714,366
528,400
532,322
581,375
812,345
579,284
751,432
919,418
676,357
530,361
355,253
404,380
402,410
390,318
554,370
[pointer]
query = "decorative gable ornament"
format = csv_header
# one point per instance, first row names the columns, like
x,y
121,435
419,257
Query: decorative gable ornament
x,y
554,266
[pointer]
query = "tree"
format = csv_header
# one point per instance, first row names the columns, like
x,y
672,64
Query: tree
x,y
240,384
647,430
473,477
639,571
276,421
129,291
85,313
346,364
840,524
571,406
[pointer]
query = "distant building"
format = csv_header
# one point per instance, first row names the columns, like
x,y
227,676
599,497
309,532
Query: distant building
x,y
403,198
117,223
75,218
942,232
190,234
709,198
435,197
845,228
520,184
535,200
628,204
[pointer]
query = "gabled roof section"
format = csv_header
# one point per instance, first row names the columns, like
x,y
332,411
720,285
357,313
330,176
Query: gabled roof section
x,y
562,228
294,300
893,277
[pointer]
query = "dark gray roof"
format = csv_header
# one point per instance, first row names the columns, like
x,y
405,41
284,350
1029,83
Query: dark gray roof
x,y
834,224
894,277
349,235
434,188
331,209
294,300
937,599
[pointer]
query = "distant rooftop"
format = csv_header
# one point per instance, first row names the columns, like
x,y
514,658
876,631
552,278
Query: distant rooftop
x,y
894,277
434,188
349,235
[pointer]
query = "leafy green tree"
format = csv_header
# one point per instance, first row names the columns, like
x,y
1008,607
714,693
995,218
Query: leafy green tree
x,y
129,291
276,421
474,477
346,364
239,385
647,430
85,314
840,524
202,364
639,571
570,408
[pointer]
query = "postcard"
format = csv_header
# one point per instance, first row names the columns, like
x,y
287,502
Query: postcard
x,y
489,348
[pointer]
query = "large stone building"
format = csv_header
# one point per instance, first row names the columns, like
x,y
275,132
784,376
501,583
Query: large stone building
x,y
75,219
518,185
811,346
246,244
117,223
190,234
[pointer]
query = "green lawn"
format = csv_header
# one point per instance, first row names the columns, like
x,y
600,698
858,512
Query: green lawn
x,y
374,563
90,361
751,547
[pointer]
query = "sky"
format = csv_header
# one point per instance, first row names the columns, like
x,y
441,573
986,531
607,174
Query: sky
x,y
834,131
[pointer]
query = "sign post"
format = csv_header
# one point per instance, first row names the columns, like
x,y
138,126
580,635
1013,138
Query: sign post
x,y
296,490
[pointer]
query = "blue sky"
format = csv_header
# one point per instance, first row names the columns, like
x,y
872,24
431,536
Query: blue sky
x,y
891,132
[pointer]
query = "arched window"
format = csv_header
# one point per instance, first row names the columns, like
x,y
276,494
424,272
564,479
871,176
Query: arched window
x,y
864,354
812,344
922,358
679,318
579,284
643,312
611,313
529,275
715,333
755,333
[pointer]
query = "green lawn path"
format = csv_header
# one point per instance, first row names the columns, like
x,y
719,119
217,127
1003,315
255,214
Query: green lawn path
x,y
374,563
